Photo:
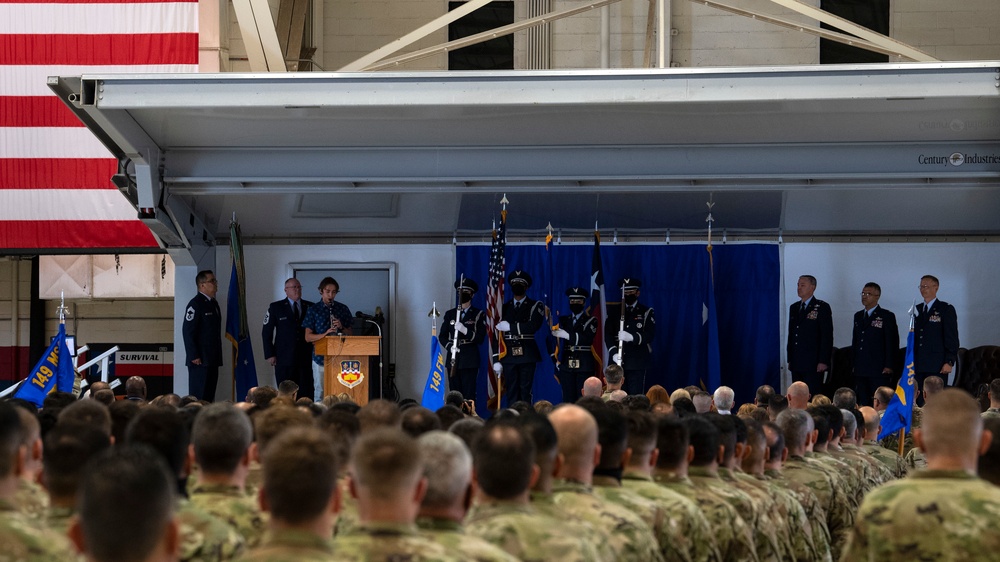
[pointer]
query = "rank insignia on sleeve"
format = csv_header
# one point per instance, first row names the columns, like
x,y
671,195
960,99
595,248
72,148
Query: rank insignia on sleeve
x,y
267,317
189,316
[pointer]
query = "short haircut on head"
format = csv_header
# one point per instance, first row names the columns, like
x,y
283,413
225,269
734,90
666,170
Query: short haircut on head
x,y
577,432
287,387
67,448
300,474
995,389
203,276
87,412
379,414
273,421
821,423
641,432
845,398
683,406
777,404
756,439
850,423
989,462
702,402
105,396
448,415
221,436
504,456
454,398
775,438
386,462
122,412
447,468
419,420
809,278
135,386
932,279
31,430
796,425
724,398
884,394
873,285
834,417
468,430
951,423
543,436
125,492
859,420
614,374
612,434
163,430
727,435
343,428
932,385
765,393
10,438
263,396
705,437
672,440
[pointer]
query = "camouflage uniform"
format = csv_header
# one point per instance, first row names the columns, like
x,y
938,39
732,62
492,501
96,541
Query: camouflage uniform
x,y
610,489
389,542
204,537
865,473
991,413
932,515
24,539
814,511
526,534
732,534
254,480
764,529
788,515
842,474
630,537
693,539
915,460
230,504
545,506
31,499
881,471
452,536
831,494
347,520
58,519
889,458
288,545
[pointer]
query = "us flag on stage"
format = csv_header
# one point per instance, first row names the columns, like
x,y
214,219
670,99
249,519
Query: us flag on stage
x,y
494,309
55,177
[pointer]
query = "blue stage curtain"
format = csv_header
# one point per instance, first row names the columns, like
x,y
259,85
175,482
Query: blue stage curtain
x,y
674,280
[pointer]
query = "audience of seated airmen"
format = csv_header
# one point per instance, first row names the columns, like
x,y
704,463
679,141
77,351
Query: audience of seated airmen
x,y
600,480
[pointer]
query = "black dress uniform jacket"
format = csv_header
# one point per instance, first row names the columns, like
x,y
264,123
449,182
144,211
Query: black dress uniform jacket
x,y
640,322
810,336
202,331
577,356
935,334
284,336
875,342
524,321
474,321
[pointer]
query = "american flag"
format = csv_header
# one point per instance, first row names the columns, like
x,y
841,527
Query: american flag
x,y
598,307
494,309
55,188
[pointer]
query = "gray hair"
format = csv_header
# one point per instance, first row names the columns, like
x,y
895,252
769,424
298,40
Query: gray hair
x,y
796,425
724,398
850,424
447,466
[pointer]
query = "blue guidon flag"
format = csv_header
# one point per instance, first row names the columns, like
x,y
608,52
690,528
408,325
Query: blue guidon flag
x,y
434,390
55,368
899,413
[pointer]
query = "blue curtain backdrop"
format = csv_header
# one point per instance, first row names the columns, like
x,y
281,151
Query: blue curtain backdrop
x,y
674,280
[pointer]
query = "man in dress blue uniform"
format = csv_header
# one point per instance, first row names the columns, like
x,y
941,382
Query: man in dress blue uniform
x,y
285,346
471,328
577,329
935,334
322,319
875,342
522,316
633,344
810,336
203,337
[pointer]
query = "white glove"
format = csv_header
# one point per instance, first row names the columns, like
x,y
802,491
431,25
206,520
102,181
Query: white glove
x,y
497,368
503,326
617,358
461,328
560,333
625,336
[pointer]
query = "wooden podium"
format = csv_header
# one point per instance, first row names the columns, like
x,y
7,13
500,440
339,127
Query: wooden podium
x,y
345,364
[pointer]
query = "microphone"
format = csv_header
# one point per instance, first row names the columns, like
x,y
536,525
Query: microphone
x,y
377,319
363,316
